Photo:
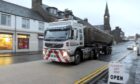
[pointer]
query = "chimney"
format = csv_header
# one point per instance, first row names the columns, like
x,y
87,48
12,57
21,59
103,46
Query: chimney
x,y
36,3
68,14
86,20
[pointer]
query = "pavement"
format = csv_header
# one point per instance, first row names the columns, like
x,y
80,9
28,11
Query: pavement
x,y
19,53
137,74
132,69
22,57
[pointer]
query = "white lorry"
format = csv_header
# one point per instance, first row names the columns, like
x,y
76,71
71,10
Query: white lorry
x,y
72,41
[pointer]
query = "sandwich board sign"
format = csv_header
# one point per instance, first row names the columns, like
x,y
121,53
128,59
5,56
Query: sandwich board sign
x,y
116,73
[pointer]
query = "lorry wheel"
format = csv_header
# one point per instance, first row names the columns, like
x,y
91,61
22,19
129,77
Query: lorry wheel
x,y
109,52
105,51
77,57
92,55
96,55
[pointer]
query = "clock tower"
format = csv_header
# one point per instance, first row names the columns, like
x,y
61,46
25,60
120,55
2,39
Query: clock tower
x,y
107,27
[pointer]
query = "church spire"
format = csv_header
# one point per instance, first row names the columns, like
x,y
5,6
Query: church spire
x,y
106,10
107,27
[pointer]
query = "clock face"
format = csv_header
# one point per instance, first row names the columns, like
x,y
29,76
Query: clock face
x,y
106,16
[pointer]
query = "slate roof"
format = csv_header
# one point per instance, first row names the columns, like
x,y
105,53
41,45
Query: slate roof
x,y
14,9
45,8
100,27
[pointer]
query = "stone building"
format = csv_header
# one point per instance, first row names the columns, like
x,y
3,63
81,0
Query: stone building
x,y
118,34
21,28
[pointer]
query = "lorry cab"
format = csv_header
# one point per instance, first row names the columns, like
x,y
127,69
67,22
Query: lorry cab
x,y
61,39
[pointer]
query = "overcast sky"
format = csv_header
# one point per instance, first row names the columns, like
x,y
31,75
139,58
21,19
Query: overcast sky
x,y
123,13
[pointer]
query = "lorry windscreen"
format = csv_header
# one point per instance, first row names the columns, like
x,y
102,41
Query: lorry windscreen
x,y
57,35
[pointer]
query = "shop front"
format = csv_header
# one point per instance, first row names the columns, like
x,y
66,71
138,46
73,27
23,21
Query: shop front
x,y
20,43
6,41
23,41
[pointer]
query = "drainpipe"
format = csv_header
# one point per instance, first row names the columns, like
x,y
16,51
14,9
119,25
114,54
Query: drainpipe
x,y
15,34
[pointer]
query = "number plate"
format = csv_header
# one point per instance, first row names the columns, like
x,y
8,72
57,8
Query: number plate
x,y
53,57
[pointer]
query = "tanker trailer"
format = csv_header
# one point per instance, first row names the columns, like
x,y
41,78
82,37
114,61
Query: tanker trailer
x,y
99,40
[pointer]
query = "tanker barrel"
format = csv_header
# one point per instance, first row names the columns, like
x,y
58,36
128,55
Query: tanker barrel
x,y
93,35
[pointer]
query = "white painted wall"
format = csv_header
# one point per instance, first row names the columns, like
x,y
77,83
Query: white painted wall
x,y
33,42
11,27
33,31
34,26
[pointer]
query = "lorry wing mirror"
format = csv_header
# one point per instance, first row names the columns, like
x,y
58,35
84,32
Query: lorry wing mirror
x,y
72,34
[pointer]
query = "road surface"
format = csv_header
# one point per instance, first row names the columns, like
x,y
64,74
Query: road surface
x,y
41,72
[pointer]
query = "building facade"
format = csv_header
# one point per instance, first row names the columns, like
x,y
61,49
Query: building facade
x,y
118,35
21,29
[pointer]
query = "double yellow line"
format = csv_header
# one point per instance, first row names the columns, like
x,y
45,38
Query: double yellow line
x,y
95,73
98,71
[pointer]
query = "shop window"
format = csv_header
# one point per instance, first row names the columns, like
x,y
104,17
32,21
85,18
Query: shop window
x,y
23,41
6,42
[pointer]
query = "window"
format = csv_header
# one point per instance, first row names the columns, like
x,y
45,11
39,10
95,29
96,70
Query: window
x,y
53,11
25,23
5,19
80,32
41,26
6,42
74,34
23,41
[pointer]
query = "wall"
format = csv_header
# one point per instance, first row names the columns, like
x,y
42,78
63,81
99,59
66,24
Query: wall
x,y
16,28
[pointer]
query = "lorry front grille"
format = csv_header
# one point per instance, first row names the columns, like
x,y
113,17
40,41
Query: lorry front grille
x,y
52,45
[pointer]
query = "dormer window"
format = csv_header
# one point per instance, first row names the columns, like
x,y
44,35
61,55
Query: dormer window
x,y
68,14
60,13
70,17
52,10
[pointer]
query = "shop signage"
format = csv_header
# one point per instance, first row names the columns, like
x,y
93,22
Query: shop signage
x,y
116,73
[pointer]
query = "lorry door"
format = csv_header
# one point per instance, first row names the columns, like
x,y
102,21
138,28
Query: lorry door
x,y
74,43
81,37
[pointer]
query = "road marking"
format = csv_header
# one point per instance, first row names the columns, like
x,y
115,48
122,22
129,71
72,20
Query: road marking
x,y
120,59
98,71
92,75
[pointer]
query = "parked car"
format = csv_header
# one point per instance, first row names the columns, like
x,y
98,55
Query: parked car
x,y
130,47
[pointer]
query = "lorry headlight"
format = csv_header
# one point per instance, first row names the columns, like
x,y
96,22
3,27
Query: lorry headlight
x,y
65,54
43,52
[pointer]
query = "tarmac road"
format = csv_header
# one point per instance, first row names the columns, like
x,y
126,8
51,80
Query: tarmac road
x,y
41,72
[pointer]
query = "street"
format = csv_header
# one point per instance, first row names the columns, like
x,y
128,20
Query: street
x,y
64,42
7,59
27,70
